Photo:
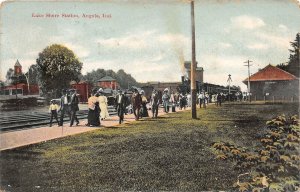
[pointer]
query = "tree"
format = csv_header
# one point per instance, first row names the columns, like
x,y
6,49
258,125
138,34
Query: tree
x,y
293,65
57,67
33,74
9,75
294,52
294,60
282,66
125,80
1,87
13,79
122,78
94,76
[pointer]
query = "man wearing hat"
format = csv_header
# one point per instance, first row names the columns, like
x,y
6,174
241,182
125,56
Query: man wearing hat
x,y
136,102
154,103
120,103
201,98
64,106
74,107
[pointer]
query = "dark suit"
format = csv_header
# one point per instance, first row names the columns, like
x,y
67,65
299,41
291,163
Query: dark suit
x,y
64,108
154,104
219,99
74,108
121,103
136,102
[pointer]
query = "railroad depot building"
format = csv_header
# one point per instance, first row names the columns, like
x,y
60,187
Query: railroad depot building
x,y
273,83
20,87
108,82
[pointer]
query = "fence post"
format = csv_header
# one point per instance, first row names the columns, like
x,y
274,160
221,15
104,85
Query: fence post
x,y
264,98
292,99
255,98
273,99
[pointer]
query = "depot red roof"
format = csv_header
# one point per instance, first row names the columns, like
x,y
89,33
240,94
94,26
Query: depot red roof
x,y
271,73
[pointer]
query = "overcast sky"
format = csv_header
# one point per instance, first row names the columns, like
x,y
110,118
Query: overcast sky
x,y
150,40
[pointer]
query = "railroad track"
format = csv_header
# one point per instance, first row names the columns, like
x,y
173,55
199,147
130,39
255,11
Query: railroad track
x,y
25,120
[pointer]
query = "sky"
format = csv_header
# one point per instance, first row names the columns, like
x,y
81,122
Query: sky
x,y
151,39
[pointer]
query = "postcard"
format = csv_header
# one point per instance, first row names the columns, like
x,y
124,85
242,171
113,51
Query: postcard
x,y
161,95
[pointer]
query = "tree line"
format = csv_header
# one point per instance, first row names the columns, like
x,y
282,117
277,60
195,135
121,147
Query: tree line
x,y
57,65
123,79
55,68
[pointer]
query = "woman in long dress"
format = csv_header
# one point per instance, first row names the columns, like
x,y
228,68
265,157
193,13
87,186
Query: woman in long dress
x,y
94,110
144,112
103,106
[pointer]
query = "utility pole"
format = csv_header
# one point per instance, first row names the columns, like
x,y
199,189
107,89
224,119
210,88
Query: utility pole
x,y
248,65
193,64
229,80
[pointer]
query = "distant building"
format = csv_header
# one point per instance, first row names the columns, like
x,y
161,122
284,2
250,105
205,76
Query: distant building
x,y
108,82
182,86
199,71
160,87
272,82
18,68
20,88
185,87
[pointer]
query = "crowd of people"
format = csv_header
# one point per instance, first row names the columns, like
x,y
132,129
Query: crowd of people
x,y
68,106
137,103
97,108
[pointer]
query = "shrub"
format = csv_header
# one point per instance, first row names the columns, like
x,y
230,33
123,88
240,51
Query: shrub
x,y
272,166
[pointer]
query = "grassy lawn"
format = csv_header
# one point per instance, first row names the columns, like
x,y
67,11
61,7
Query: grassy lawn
x,y
171,153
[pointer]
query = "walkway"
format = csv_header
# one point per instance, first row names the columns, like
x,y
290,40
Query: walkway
x,y
13,139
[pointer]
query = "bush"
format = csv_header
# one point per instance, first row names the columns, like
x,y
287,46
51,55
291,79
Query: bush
x,y
272,166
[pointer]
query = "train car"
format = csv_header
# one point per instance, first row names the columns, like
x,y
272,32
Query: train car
x,y
211,89
83,90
